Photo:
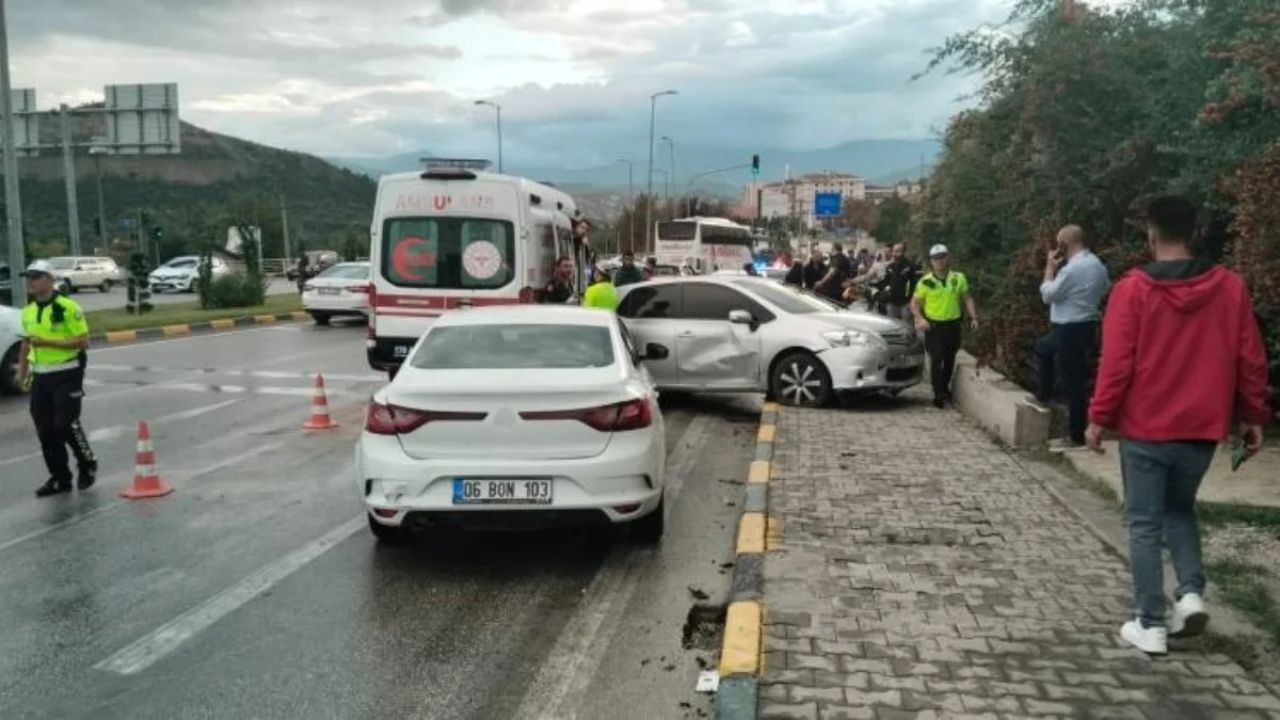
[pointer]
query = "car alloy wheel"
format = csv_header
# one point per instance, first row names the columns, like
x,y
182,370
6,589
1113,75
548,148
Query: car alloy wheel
x,y
799,379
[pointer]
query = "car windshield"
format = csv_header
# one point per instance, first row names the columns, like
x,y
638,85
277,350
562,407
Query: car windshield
x,y
347,272
181,263
507,347
788,299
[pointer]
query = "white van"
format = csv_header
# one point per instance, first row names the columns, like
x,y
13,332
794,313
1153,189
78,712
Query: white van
x,y
454,236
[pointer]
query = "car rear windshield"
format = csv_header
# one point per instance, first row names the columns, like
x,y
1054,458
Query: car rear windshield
x,y
448,252
506,347
347,272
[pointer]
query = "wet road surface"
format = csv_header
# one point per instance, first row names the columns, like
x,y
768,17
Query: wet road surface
x,y
91,299
255,590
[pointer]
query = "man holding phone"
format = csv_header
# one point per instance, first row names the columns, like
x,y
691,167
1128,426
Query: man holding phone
x,y
1073,292
51,362
1182,361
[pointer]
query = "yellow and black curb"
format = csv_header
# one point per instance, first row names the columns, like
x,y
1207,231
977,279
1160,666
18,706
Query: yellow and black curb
x,y
179,330
740,656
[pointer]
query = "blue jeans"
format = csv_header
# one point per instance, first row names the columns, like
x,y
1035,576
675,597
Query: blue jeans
x,y
1065,352
1160,484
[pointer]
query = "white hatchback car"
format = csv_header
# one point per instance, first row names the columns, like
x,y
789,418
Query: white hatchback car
x,y
514,417
340,290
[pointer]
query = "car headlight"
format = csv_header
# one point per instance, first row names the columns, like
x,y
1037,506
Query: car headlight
x,y
852,338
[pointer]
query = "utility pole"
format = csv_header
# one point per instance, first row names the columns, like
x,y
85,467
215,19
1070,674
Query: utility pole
x,y
284,228
648,201
671,169
97,152
631,204
69,173
13,201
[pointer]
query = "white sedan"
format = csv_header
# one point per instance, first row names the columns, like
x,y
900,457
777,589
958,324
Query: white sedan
x,y
10,345
512,417
340,290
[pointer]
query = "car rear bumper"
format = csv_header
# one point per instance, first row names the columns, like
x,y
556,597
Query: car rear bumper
x,y
335,304
854,369
628,473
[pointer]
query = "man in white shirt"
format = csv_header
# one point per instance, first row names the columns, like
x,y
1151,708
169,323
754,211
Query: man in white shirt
x,y
1073,291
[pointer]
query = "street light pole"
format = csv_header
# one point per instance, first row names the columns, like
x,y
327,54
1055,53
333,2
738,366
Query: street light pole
x,y
12,198
631,203
648,201
498,109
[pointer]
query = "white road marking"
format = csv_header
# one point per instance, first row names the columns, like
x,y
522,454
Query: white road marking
x,y
585,639
148,650
198,336
180,476
238,372
298,391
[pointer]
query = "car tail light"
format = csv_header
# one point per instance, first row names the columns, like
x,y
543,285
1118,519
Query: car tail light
x,y
527,295
629,415
386,419
362,289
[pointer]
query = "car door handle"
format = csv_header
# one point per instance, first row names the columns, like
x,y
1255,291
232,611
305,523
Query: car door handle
x,y
685,334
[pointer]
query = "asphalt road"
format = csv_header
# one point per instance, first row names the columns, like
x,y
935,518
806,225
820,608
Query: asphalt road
x,y
91,299
255,590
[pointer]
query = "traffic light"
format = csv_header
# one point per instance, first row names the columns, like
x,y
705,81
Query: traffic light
x,y
157,233
755,165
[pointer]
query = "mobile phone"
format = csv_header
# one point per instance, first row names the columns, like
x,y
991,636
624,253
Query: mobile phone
x,y
1238,453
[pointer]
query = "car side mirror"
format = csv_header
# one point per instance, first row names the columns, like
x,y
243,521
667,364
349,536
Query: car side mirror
x,y
654,351
742,317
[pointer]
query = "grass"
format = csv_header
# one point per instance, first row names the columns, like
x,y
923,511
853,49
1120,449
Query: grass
x,y
1242,585
101,321
1223,514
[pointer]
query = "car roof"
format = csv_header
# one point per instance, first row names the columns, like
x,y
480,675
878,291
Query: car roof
x,y
527,314
727,279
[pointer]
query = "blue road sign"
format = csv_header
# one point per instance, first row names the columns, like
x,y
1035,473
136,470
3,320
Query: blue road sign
x,y
826,204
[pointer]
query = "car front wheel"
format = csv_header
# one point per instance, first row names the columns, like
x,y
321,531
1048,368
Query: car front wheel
x,y
800,379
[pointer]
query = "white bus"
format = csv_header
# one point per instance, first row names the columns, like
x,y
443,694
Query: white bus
x,y
703,245
454,236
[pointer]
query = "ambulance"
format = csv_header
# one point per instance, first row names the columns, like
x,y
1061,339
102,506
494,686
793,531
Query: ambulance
x,y
455,236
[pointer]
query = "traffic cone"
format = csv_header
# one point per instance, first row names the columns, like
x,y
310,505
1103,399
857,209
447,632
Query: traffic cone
x,y
146,483
319,419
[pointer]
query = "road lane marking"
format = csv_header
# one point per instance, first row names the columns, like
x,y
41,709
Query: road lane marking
x,y
569,667
180,475
194,338
164,640
298,391
237,372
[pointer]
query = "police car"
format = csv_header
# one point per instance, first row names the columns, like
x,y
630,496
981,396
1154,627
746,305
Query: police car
x,y
10,346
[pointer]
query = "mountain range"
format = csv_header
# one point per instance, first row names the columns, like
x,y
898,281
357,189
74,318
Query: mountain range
x,y
879,161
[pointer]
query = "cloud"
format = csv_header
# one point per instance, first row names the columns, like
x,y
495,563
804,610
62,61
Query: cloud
x,y
573,76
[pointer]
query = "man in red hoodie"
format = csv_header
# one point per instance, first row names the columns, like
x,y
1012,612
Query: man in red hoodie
x,y
1182,362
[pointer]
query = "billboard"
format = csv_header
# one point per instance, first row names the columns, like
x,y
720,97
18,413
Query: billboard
x,y
826,204
142,119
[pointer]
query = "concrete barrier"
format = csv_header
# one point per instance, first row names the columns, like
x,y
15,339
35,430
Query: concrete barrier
x,y
998,405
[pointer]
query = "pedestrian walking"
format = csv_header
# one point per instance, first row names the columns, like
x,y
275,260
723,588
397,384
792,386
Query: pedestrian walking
x,y
51,362
1073,292
814,271
1182,360
937,306
561,289
899,283
628,274
601,294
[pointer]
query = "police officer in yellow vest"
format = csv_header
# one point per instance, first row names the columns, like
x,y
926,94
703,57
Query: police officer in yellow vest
x,y
52,364
937,309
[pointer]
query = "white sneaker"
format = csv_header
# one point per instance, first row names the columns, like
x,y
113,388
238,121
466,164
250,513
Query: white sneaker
x,y
1150,640
1189,617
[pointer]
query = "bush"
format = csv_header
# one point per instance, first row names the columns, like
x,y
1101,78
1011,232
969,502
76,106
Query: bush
x,y
239,290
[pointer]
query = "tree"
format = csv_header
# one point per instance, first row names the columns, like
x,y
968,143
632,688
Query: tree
x,y
894,221
860,214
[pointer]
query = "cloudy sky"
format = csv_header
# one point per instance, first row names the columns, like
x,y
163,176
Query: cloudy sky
x,y
375,77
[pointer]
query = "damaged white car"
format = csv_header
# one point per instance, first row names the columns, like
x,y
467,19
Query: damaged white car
x,y
739,333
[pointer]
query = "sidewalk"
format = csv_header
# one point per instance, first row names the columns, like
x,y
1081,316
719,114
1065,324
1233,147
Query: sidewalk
x,y
920,572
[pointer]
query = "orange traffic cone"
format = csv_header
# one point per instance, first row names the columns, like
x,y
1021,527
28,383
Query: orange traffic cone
x,y
146,483
319,419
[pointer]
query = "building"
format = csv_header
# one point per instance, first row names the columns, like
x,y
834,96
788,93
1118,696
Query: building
x,y
904,189
795,197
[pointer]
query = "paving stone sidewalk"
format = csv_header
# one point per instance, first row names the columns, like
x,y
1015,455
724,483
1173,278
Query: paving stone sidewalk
x,y
922,573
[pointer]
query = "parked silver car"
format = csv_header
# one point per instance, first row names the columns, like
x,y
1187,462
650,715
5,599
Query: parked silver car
x,y
77,273
738,333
